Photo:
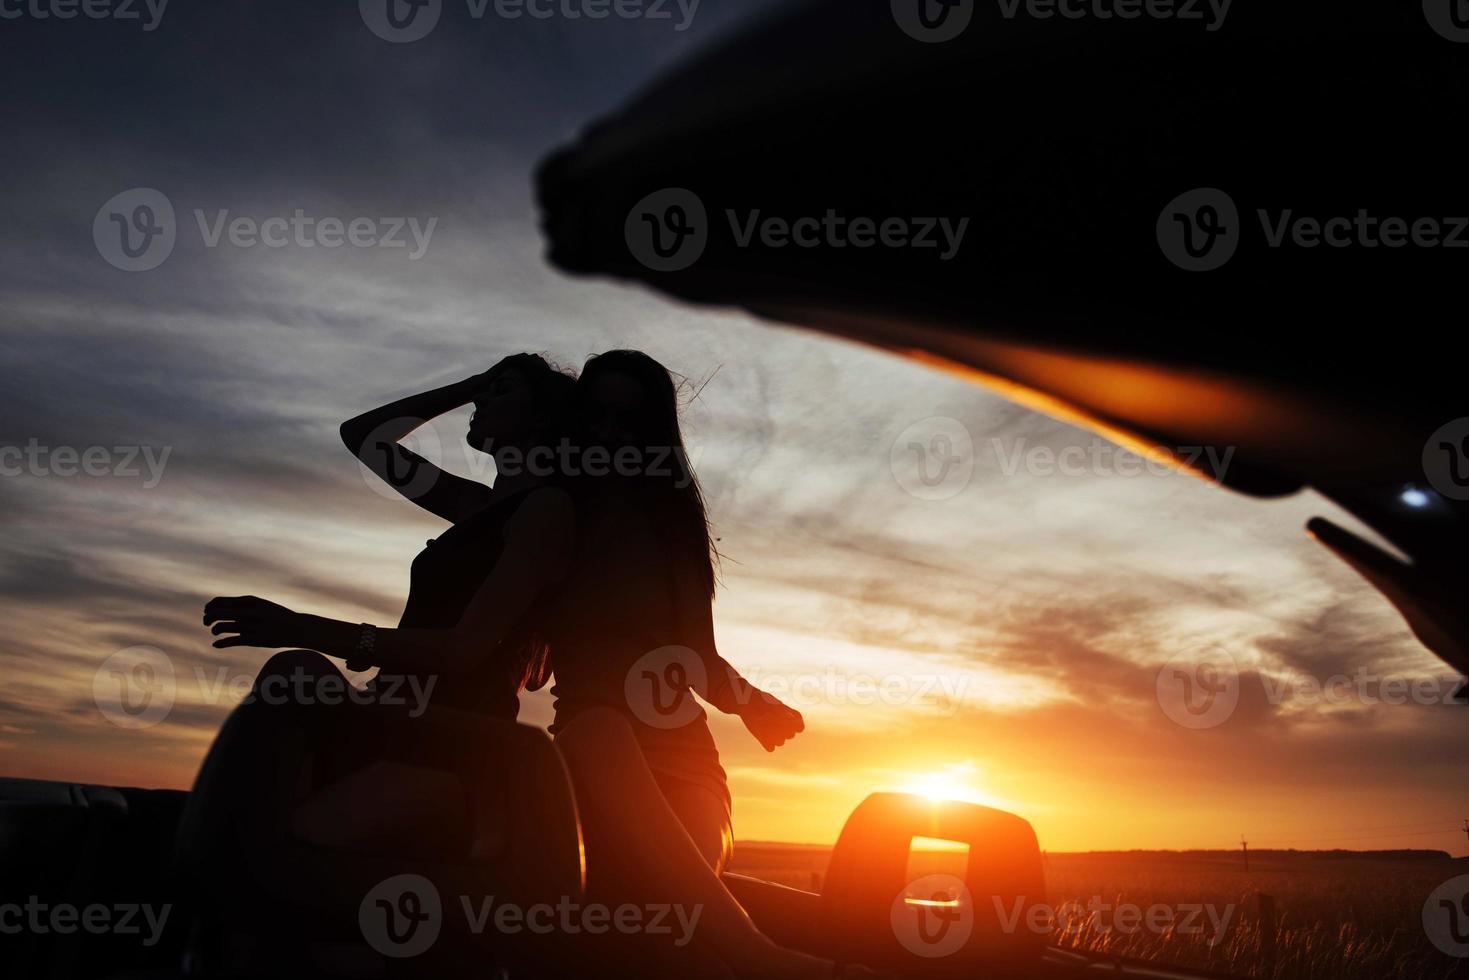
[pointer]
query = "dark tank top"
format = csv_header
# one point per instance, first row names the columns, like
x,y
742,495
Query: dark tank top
x,y
445,577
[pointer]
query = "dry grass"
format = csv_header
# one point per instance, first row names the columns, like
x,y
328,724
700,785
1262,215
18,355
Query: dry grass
x,y
1338,916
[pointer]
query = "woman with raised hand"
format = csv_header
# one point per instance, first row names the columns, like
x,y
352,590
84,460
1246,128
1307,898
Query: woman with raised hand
x,y
469,638
466,630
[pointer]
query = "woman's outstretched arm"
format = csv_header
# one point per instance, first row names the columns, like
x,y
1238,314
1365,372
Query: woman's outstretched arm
x,y
768,719
374,437
535,556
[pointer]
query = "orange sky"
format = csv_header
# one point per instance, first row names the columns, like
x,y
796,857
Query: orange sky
x,y
1004,642
1006,638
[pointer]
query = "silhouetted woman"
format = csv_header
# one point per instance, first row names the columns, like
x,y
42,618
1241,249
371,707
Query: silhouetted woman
x,y
632,634
468,637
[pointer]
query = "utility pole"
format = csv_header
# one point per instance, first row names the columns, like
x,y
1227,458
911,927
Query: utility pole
x,y
1244,846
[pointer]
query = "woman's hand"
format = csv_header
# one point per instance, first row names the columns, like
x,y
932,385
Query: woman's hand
x,y
255,622
770,720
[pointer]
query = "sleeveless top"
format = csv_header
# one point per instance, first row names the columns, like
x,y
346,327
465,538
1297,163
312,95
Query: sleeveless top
x,y
615,608
445,577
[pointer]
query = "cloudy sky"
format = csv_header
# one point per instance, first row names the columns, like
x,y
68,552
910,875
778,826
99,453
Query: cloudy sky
x,y
999,636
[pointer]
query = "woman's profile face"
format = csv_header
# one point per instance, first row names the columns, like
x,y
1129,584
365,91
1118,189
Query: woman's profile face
x,y
504,412
613,411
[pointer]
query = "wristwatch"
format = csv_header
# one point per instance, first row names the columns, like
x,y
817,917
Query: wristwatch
x,y
364,657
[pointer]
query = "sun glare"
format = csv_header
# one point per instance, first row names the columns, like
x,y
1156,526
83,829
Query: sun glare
x,y
948,784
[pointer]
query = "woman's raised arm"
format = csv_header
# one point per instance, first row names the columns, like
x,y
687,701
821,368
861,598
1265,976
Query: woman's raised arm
x,y
374,438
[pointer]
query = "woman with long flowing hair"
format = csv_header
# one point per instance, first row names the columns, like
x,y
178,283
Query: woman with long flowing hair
x,y
631,639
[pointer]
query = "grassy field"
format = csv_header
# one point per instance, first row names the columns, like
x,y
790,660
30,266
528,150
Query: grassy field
x,y
1338,915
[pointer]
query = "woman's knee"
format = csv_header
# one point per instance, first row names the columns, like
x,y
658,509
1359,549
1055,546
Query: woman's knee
x,y
293,676
706,820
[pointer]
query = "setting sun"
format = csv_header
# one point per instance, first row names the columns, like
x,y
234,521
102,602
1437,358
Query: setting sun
x,y
951,783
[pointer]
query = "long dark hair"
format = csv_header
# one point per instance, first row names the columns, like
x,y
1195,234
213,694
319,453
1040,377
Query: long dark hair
x,y
667,475
554,391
